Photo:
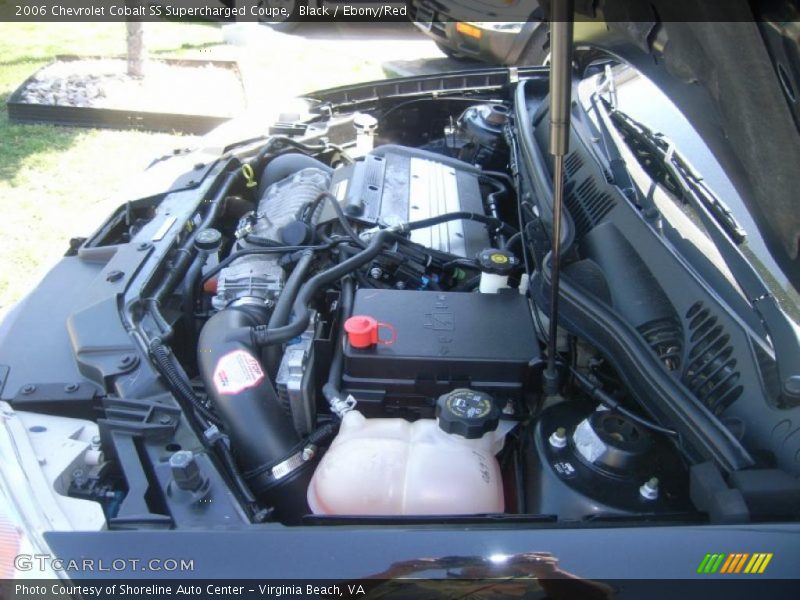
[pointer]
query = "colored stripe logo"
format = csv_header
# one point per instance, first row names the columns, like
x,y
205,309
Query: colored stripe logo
x,y
735,562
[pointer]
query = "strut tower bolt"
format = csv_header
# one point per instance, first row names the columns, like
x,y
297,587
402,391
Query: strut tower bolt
x,y
558,439
309,452
649,490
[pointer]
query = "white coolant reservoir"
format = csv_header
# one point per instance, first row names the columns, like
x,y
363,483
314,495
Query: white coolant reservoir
x,y
429,467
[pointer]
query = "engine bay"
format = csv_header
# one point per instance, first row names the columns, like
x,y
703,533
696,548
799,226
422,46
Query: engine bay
x,y
351,323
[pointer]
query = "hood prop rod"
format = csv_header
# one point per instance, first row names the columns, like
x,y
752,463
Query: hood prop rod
x,y
561,28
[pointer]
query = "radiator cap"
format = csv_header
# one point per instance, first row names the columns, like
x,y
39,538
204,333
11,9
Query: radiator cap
x,y
467,413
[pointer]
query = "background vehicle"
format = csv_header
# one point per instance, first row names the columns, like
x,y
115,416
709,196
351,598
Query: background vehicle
x,y
473,30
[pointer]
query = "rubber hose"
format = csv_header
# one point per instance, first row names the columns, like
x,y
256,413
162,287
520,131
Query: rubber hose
x,y
612,404
264,336
331,390
283,307
455,216
513,240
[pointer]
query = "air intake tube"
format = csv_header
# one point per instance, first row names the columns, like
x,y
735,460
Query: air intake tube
x,y
275,462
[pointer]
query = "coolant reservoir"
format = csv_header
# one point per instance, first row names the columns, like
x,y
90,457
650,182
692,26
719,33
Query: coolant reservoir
x,y
429,467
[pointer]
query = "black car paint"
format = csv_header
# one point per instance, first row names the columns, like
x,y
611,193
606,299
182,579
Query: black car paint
x,y
604,551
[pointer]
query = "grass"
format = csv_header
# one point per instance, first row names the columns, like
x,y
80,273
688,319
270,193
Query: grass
x,y
60,182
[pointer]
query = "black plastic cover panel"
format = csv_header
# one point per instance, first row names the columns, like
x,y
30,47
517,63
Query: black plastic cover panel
x,y
443,340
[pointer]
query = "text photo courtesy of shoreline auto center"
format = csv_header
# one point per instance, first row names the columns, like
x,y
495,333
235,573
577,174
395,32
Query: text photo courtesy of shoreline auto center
x,y
399,299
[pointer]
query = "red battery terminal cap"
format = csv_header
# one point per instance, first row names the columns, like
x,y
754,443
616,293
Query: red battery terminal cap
x,y
364,331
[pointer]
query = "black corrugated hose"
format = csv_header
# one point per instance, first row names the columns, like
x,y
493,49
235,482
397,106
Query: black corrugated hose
x,y
173,373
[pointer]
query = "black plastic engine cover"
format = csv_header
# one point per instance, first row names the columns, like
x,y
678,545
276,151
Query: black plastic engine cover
x,y
444,340
395,184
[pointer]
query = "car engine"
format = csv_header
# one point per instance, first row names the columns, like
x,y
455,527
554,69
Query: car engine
x,y
347,320
408,329
423,357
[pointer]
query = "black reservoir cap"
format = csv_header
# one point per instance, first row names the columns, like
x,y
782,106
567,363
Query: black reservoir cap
x,y
468,413
208,240
499,262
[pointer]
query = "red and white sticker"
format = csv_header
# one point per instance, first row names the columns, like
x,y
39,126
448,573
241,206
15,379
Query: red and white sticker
x,y
237,371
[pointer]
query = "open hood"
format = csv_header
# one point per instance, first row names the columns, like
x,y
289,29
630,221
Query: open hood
x,y
732,69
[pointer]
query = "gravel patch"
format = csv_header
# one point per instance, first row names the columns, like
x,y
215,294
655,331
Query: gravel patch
x,y
202,89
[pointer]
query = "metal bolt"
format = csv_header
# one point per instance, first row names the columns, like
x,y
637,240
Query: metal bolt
x,y
558,439
508,409
71,387
185,471
165,419
375,272
309,452
792,385
651,214
95,443
400,285
127,362
115,275
212,433
649,490
143,246
28,389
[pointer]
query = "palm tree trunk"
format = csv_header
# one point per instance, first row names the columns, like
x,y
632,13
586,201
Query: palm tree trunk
x,y
136,48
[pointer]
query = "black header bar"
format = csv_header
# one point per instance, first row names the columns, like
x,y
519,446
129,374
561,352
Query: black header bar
x,y
632,11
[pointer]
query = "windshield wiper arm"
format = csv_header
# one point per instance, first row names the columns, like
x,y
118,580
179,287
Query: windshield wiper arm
x,y
663,148
726,233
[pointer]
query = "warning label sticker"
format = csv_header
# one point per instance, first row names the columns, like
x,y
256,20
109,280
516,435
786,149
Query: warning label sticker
x,y
237,371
